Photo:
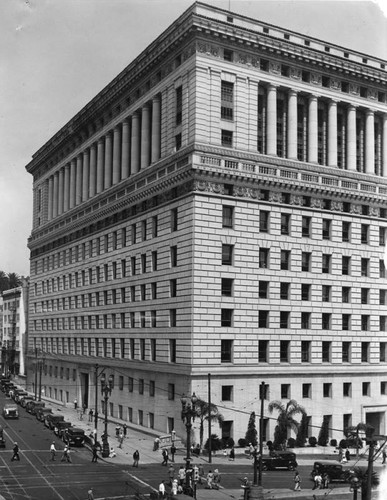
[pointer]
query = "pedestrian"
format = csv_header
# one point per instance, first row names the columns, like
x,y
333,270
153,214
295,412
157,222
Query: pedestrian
x,y
347,455
297,481
91,413
325,481
53,451
66,455
246,488
317,481
112,453
95,454
384,455
118,428
90,495
136,458
15,450
174,487
162,490
125,429
216,479
173,451
75,404
156,444
84,406
210,479
340,454
232,454
121,439
181,475
171,474
165,458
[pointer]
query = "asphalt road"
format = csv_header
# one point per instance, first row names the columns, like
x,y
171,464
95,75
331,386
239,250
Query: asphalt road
x,y
36,477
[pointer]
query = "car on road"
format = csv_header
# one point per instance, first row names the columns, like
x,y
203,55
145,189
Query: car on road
x,y
73,436
335,470
279,460
52,419
61,427
18,394
42,412
24,400
32,406
10,410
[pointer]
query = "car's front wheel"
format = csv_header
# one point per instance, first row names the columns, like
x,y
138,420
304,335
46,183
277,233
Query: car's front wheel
x,y
291,466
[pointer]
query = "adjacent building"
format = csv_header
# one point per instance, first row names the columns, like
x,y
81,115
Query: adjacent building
x,y
219,208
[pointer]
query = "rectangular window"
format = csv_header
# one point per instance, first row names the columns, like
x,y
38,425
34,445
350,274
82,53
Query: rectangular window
x,y
171,392
264,221
382,269
264,258
179,105
285,260
284,291
326,263
382,236
305,320
346,352
326,352
144,230
326,293
326,321
347,389
226,138
285,391
306,261
227,287
306,226
226,317
154,226
365,352
134,234
285,224
226,351
382,297
227,255
364,234
143,263
365,295
227,101
365,266
153,349
173,256
383,352
263,319
174,219
345,265
346,231
346,322
173,288
172,350
365,322
346,294
227,216
133,265
284,351
151,388
305,351
263,349
263,289
327,390
284,319
306,391
227,392
326,229
366,389
172,317
130,384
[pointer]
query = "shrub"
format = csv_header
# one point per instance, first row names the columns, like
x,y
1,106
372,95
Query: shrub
x,y
242,442
227,442
323,435
270,446
333,442
291,443
312,441
343,443
216,443
251,433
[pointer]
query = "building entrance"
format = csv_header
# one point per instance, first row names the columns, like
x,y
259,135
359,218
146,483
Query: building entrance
x,y
377,420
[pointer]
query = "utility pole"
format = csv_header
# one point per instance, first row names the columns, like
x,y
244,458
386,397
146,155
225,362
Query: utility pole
x,y
36,374
262,397
209,420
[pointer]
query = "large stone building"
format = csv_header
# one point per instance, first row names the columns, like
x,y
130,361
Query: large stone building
x,y
219,208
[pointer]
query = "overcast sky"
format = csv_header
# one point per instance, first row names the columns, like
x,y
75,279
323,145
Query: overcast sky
x,y
56,55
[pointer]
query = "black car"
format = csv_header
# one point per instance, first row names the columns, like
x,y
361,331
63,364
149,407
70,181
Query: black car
x,y
73,436
25,399
61,427
51,420
32,406
335,470
279,460
18,394
42,412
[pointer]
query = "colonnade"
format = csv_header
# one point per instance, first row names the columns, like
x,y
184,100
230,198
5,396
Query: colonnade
x,y
123,151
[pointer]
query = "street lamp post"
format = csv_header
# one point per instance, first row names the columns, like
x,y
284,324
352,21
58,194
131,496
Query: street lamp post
x,y
106,390
188,413
355,485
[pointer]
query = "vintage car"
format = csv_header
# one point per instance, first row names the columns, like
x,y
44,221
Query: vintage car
x,y
18,394
42,412
10,410
52,419
61,427
32,406
335,470
73,436
279,460
24,400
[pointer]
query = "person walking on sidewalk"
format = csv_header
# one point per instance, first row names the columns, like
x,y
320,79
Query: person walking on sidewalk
x,y
136,458
75,404
66,455
125,429
297,481
118,428
53,451
90,495
173,451
162,490
165,458
15,450
121,440
95,454
171,474
91,413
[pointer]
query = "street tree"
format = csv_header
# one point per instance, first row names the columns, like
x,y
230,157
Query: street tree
x,y
285,420
205,413
251,433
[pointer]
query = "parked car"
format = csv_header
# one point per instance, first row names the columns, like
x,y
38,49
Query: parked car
x,y
9,388
335,470
61,427
73,436
279,460
19,393
42,412
32,406
52,419
24,400
10,410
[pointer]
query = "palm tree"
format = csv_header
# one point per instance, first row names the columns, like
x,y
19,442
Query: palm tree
x,y
4,281
361,474
206,412
354,431
285,419
14,280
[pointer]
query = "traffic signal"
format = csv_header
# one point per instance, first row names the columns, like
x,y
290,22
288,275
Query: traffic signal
x,y
196,473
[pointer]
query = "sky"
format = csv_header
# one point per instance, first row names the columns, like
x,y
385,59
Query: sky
x,y
56,55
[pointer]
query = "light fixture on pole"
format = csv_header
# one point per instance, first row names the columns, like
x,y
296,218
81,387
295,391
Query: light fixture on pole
x,y
188,414
106,390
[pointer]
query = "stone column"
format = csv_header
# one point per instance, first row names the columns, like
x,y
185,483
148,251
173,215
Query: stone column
x,y
108,160
351,138
332,134
100,161
66,187
78,189
86,174
116,154
72,182
156,128
135,149
55,197
93,170
384,146
292,125
125,156
60,191
50,197
370,142
271,133
312,129
145,142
